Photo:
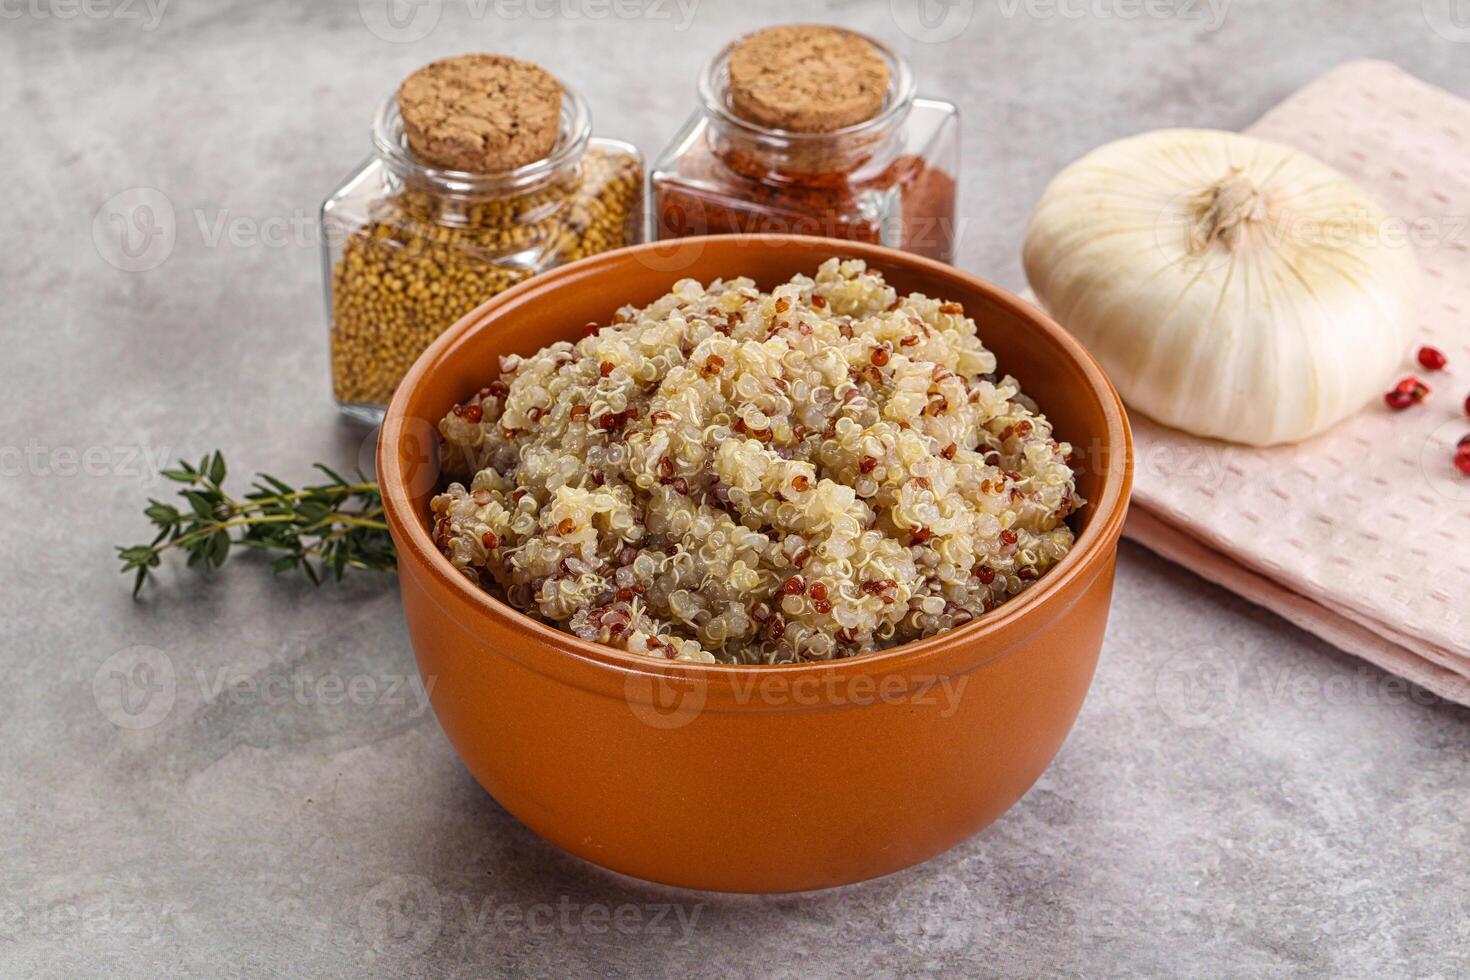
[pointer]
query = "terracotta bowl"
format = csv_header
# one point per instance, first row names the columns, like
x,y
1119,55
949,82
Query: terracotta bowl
x,y
754,779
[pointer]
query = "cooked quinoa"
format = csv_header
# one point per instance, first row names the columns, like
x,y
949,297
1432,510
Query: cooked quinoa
x,y
729,475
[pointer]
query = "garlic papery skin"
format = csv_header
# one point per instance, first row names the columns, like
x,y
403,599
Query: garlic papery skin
x,y
1230,287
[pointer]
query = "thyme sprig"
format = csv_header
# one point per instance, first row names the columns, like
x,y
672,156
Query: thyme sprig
x,y
320,529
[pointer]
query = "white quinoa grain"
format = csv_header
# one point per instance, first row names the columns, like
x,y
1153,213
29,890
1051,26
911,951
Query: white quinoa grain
x,y
745,477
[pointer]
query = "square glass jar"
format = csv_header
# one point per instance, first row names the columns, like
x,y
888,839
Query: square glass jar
x,y
409,249
890,180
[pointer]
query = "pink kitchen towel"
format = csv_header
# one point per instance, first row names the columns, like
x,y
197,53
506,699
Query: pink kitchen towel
x,y
1361,535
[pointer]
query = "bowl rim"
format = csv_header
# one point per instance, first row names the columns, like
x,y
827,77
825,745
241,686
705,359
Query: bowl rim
x,y
1097,541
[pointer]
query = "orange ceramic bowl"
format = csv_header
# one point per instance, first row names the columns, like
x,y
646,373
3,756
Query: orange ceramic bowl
x,y
754,779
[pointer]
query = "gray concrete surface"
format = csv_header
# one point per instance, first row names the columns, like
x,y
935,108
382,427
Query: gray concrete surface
x,y
1295,813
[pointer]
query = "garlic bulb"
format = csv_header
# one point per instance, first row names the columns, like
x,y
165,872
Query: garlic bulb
x,y
1230,287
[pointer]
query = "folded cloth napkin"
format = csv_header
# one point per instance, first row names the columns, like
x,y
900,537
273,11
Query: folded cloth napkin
x,y
1361,535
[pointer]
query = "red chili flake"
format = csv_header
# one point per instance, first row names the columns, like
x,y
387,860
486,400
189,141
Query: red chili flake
x,y
1027,574
777,628
590,328
822,606
920,535
948,451
567,526
793,586
880,356
782,304
1432,358
800,483
681,486
868,465
605,368
713,365
819,591
801,557
953,309
986,575
819,302
1008,536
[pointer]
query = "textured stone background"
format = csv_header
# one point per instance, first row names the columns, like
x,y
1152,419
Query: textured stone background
x,y
1237,797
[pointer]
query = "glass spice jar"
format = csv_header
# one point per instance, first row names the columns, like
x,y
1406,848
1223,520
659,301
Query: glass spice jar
x,y
888,179
408,249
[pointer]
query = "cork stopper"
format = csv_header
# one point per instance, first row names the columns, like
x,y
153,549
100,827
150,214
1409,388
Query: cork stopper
x,y
480,113
806,78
